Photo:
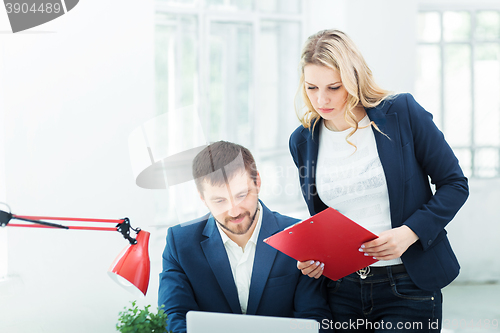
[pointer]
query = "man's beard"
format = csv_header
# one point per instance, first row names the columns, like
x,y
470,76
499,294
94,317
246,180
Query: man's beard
x,y
239,232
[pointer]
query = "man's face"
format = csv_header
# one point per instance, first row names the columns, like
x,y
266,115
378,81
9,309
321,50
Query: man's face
x,y
234,204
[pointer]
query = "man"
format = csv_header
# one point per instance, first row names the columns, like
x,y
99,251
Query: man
x,y
220,263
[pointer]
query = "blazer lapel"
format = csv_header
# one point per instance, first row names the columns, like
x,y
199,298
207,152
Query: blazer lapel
x,y
216,255
263,261
309,148
391,157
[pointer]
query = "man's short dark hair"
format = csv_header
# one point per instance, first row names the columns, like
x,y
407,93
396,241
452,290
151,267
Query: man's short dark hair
x,y
220,162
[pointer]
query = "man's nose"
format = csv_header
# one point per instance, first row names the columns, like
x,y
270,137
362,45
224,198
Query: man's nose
x,y
235,209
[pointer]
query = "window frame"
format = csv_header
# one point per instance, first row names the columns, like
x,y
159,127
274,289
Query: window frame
x,y
205,18
441,7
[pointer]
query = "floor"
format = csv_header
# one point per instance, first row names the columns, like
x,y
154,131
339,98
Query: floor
x,y
471,308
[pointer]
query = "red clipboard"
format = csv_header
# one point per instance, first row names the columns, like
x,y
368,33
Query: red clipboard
x,y
328,237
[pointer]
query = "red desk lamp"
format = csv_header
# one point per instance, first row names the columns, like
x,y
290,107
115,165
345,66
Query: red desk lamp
x,y
130,269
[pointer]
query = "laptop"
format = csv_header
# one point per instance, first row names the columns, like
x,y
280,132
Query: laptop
x,y
214,322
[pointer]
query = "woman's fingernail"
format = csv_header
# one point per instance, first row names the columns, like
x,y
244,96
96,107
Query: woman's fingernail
x,y
363,246
317,263
366,254
360,250
312,262
322,265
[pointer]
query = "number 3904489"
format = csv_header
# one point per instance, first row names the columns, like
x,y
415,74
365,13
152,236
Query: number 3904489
x,y
471,323
34,8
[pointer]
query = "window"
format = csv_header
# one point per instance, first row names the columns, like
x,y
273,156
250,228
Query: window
x,y
459,82
235,62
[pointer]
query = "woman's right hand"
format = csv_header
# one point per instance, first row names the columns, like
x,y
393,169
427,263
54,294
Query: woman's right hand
x,y
311,268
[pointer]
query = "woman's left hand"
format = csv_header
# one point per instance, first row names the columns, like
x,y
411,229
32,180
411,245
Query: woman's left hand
x,y
390,244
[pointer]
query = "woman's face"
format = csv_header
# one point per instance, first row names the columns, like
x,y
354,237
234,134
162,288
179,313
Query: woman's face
x,y
327,94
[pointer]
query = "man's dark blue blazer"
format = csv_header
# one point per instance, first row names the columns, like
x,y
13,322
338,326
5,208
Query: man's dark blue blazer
x,y
413,151
197,276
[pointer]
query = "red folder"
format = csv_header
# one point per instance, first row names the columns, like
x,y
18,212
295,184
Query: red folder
x,y
328,237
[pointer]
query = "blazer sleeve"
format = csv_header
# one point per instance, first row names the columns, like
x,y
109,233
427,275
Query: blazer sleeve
x,y
175,291
310,300
438,161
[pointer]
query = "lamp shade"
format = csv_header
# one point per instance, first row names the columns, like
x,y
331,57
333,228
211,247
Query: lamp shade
x,y
131,268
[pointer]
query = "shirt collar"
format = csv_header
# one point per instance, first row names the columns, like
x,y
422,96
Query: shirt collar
x,y
255,235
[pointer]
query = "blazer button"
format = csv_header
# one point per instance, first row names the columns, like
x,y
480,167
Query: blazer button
x,y
429,242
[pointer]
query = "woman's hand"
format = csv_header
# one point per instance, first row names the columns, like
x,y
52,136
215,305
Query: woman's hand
x,y
311,268
390,244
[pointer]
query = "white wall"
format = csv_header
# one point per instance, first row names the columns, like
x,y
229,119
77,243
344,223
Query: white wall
x,y
73,90
475,231
3,231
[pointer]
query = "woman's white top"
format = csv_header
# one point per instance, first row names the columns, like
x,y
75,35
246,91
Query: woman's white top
x,y
353,181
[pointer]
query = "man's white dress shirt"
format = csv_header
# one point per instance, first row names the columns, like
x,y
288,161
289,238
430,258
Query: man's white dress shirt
x,y
241,261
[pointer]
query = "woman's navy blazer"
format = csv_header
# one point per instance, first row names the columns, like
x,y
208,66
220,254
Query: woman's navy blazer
x,y
413,151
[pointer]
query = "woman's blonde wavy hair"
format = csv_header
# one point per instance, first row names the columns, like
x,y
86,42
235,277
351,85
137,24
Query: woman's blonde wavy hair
x,y
335,50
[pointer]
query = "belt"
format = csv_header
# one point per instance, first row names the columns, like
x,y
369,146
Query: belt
x,y
376,270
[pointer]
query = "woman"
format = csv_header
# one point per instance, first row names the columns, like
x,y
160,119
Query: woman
x,y
369,155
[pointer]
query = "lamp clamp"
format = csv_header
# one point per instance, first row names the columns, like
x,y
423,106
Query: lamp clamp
x,y
124,228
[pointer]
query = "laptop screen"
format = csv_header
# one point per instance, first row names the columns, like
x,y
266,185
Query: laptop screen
x,y
213,322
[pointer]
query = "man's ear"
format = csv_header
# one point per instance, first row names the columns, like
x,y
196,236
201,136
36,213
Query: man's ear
x,y
257,182
202,198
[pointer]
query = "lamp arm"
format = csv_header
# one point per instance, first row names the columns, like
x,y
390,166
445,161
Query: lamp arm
x,y
123,225
48,224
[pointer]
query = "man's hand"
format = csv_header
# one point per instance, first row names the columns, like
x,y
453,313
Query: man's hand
x,y
311,268
390,244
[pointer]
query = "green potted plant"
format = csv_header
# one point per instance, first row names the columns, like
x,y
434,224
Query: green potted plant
x,y
135,320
